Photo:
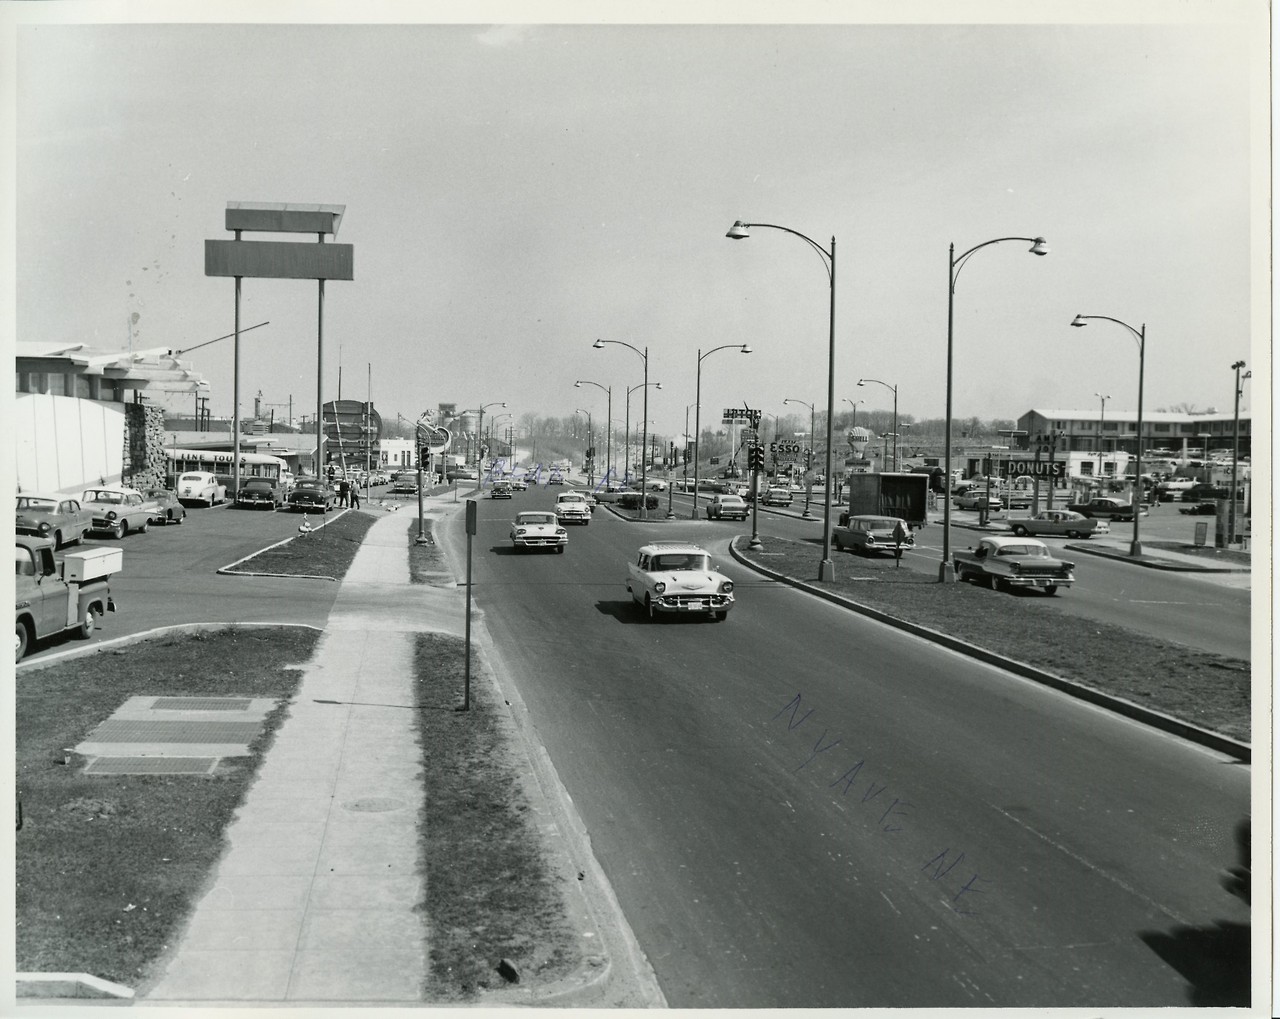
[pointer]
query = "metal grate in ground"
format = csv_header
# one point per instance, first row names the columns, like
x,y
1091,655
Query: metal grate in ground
x,y
177,731
201,704
151,766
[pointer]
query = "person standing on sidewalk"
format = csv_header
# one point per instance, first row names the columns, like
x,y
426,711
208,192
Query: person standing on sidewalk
x,y
344,489
355,496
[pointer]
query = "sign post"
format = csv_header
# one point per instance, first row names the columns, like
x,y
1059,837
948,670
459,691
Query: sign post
x,y
466,668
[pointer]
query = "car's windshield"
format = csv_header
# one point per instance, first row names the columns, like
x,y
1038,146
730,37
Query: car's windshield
x,y
682,561
1027,550
112,497
39,505
536,518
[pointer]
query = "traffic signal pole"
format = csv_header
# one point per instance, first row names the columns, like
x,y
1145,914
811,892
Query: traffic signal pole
x,y
755,457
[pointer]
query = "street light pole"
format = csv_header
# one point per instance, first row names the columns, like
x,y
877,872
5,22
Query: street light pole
x,y
826,568
608,441
480,434
895,415
644,442
946,569
697,415
591,460
853,421
1140,335
1102,426
808,488
1235,455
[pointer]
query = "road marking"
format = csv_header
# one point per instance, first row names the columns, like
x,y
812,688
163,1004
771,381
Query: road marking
x,y
1097,870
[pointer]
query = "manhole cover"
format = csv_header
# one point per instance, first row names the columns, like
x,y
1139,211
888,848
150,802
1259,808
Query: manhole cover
x,y
374,804
201,704
151,766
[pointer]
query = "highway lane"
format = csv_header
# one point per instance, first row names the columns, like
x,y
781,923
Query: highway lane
x,y
1207,612
799,807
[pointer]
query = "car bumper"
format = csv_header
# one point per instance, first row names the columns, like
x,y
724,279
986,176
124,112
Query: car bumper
x,y
526,542
684,604
1039,581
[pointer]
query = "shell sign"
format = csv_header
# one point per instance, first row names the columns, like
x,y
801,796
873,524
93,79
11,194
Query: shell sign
x,y
858,439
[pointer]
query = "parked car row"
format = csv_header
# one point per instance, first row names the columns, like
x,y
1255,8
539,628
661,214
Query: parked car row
x,y
105,509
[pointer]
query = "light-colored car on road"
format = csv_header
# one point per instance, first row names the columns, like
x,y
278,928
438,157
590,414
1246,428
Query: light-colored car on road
x,y
678,578
538,529
573,507
59,518
727,507
777,496
200,486
117,511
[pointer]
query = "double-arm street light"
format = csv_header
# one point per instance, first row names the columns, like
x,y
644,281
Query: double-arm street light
x,y
1102,425
895,414
644,464
697,415
737,232
854,404
808,463
1140,336
947,570
608,441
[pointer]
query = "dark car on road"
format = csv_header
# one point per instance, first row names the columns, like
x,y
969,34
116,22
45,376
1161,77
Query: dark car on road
x,y
312,496
259,492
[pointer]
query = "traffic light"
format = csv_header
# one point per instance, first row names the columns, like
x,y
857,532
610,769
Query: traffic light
x,y
688,454
755,457
671,455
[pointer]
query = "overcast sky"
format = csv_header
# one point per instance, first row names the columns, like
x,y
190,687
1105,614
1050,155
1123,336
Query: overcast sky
x,y
513,193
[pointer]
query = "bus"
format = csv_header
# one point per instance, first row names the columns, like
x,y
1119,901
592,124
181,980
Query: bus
x,y
218,462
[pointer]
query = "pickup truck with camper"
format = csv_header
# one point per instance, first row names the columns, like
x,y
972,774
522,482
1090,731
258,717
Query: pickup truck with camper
x,y
1005,562
54,597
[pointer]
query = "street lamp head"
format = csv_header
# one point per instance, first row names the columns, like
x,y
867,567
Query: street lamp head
x,y
577,385
1079,322
598,345
746,348
1238,365
738,231
1039,247
861,381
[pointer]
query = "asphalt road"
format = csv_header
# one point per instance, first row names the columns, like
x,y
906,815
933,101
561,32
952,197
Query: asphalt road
x,y
1199,610
170,577
799,807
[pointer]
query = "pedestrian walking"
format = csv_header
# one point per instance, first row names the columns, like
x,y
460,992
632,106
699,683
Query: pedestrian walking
x,y
355,496
344,489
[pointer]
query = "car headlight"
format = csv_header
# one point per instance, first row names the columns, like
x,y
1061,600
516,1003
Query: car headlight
x,y
520,530
44,527
111,514
659,587
726,587
561,530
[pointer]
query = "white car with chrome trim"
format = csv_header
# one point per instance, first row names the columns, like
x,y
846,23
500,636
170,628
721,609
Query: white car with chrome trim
x,y
677,578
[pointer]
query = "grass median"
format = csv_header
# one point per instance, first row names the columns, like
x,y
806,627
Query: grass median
x,y
1208,690
108,867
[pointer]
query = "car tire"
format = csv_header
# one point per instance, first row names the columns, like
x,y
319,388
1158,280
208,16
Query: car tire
x,y
649,610
1051,589
559,550
142,529
720,617
1021,531
990,580
84,629
120,530
179,518
57,540
22,640
1073,534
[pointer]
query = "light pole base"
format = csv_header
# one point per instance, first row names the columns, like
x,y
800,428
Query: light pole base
x,y
755,544
806,515
671,514
826,570
947,573
1135,548
421,540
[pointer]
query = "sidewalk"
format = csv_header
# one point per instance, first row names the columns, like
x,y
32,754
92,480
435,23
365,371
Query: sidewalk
x,y
314,902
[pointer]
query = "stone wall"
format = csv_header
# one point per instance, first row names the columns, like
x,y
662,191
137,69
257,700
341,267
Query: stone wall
x,y
144,464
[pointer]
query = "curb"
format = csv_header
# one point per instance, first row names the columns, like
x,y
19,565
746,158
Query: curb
x,y
1153,563
36,664
70,985
1148,716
